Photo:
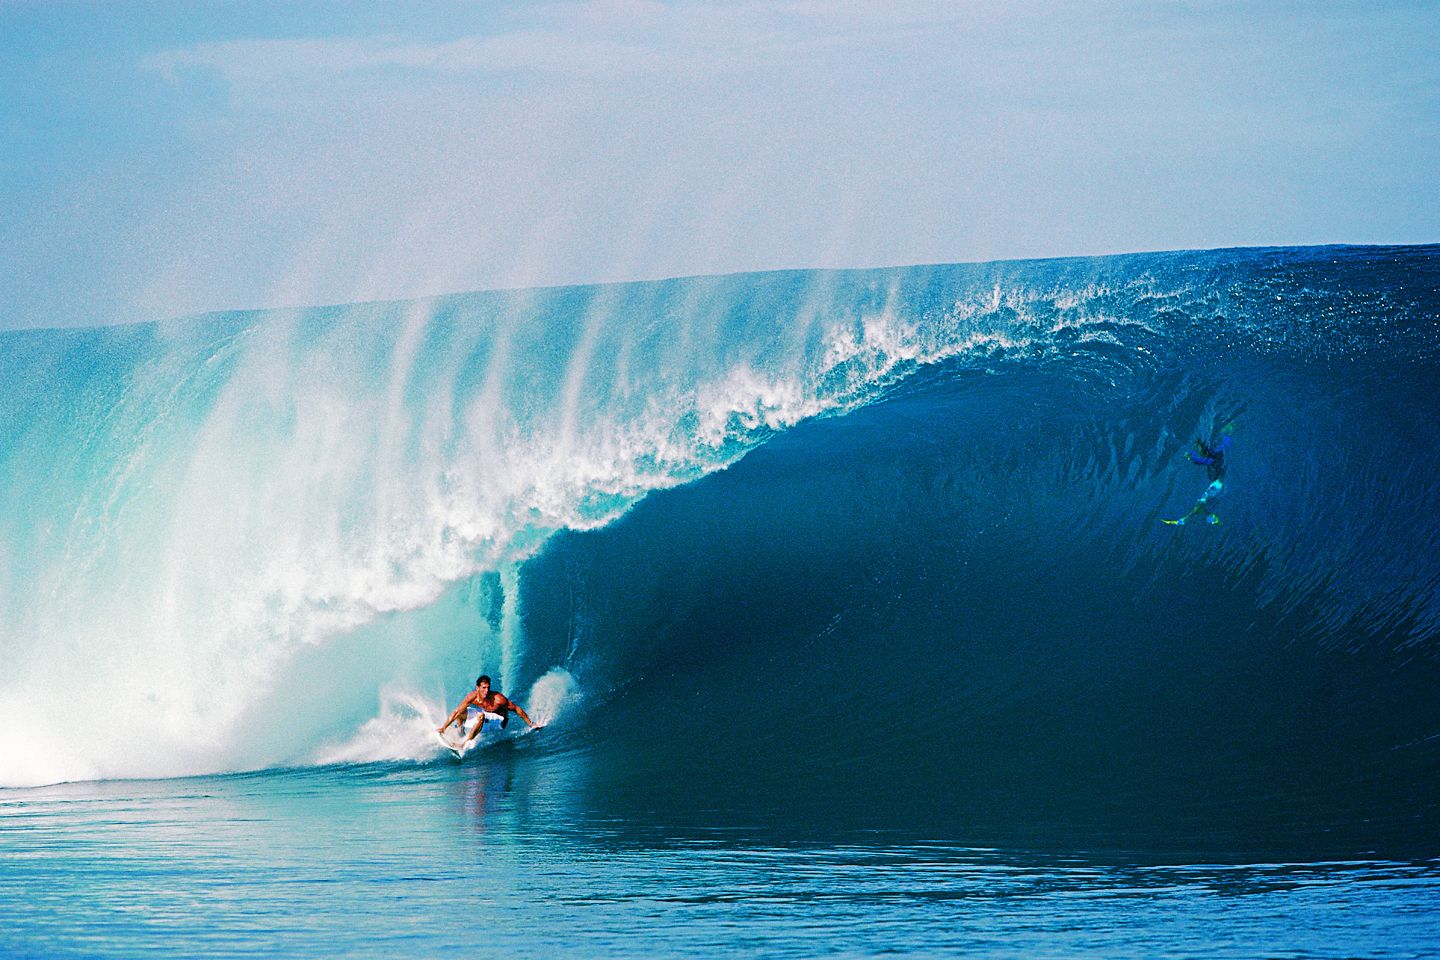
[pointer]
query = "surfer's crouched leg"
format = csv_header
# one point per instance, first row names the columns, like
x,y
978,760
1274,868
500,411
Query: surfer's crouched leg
x,y
491,723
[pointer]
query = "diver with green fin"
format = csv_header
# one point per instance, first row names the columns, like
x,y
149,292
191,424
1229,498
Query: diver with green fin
x,y
1212,458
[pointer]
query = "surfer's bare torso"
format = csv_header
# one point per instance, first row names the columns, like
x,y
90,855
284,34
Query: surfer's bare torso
x,y
492,702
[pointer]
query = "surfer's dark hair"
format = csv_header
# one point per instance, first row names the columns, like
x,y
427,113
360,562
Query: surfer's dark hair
x,y
483,678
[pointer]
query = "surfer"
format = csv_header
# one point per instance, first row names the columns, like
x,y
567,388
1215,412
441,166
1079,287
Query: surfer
x,y
492,706
1212,458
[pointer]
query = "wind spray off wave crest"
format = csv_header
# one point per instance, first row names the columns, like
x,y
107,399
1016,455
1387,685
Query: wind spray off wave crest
x,y
192,506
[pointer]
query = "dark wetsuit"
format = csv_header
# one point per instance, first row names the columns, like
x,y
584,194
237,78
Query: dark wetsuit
x,y
1212,458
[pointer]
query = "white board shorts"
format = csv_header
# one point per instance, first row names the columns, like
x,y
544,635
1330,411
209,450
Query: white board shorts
x,y
494,723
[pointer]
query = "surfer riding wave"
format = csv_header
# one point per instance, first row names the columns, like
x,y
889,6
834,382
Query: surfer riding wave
x,y
1212,458
491,708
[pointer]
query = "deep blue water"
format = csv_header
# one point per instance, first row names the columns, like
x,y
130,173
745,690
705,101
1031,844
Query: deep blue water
x,y
844,595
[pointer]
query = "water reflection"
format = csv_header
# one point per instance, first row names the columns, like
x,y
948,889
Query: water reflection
x,y
484,793
410,859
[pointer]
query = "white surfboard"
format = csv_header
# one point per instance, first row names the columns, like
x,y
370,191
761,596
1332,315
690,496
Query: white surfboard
x,y
455,751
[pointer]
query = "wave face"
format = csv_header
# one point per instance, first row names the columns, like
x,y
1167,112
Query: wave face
x,y
939,569
958,602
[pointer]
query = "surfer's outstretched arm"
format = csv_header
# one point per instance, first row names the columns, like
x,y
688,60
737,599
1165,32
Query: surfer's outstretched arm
x,y
506,704
456,715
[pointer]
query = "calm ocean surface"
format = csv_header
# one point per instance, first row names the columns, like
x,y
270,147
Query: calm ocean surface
x,y
508,852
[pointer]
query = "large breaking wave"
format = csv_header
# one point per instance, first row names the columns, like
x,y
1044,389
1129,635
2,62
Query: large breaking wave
x,y
225,541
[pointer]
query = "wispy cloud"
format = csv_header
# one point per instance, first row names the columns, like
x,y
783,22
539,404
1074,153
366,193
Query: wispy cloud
x,y
259,62
596,37
547,141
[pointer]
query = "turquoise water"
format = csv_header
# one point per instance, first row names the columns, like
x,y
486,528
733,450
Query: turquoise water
x,y
505,854
844,597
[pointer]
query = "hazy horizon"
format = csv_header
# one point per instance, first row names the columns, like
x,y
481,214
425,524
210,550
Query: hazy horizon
x,y
239,157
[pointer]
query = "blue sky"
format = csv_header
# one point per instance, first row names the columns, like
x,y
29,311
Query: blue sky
x,y
167,158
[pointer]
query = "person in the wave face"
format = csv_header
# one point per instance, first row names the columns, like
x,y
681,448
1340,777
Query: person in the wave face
x,y
492,705
1212,458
